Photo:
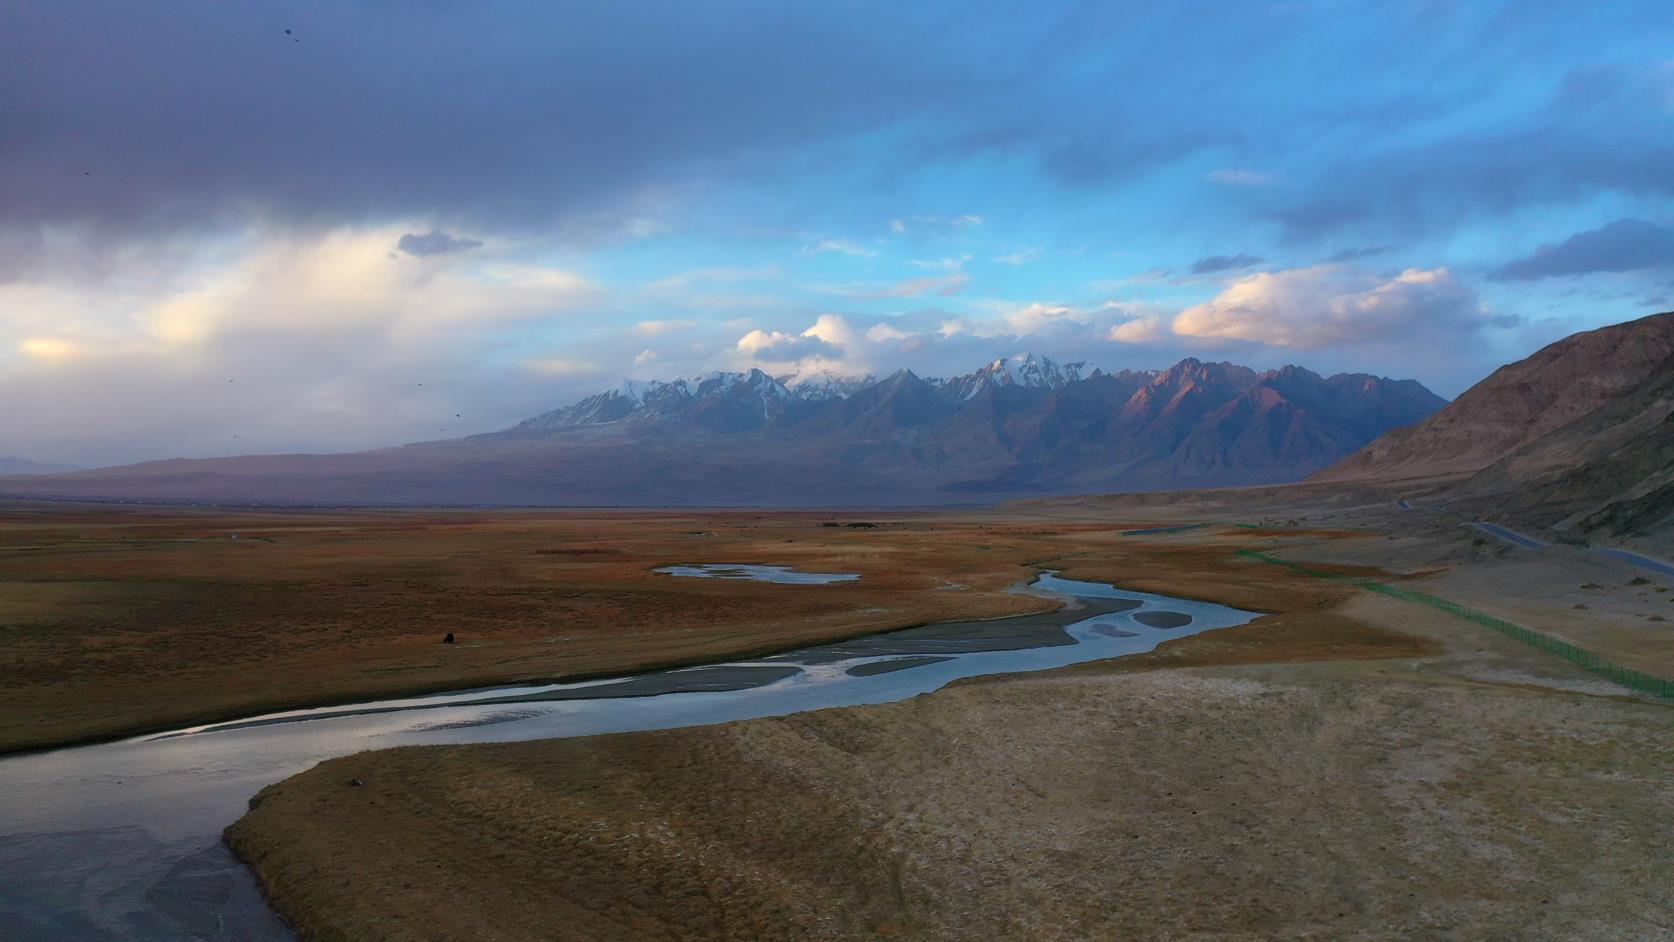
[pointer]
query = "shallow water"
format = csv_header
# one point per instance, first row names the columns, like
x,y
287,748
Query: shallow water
x,y
122,840
782,574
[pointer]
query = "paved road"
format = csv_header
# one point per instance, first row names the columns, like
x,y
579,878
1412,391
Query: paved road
x,y
1632,558
1620,555
1510,536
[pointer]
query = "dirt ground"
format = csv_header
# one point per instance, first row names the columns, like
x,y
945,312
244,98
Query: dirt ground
x,y
1349,767
1439,790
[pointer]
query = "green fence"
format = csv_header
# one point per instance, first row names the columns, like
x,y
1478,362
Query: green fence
x,y
1587,660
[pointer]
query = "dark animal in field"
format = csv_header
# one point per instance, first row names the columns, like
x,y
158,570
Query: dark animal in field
x,y
448,638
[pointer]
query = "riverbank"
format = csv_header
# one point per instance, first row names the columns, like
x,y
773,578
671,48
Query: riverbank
x,y
121,620
1350,766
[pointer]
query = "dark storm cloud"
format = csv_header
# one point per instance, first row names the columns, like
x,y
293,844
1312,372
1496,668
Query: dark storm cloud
x,y
1624,245
434,242
1215,263
124,115
1600,131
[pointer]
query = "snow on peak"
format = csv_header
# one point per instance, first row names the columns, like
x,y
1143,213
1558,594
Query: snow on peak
x,y
1024,369
828,385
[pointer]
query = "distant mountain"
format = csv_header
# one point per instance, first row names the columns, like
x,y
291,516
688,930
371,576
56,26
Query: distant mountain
x,y
11,464
1018,426
1578,437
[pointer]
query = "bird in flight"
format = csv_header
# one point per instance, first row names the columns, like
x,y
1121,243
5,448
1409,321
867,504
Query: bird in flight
x,y
292,36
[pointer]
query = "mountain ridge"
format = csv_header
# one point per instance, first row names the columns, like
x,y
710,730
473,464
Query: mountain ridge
x,y
1019,426
1577,438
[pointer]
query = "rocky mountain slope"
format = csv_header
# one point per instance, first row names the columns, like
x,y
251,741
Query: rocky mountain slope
x,y
1609,474
1517,404
1019,426
1578,438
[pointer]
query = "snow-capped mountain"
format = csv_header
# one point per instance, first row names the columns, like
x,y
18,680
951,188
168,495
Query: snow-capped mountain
x,y
827,385
1025,370
753,398
1018,426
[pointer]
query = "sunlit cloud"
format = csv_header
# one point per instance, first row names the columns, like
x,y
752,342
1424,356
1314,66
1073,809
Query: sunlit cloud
x,y
1328,305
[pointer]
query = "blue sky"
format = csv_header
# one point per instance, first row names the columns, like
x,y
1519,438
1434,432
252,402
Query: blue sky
x,y
409,221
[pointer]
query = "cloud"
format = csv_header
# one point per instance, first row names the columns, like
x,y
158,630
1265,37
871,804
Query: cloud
x,y
1138,330
1215,263
319,132
841,247
289,341
659,328
1544,154
1326,306
1020,257
777,346
938,221
897,226
1621,246
1234,176
434,242
686,280
950,264
1356,252
564,366
940,285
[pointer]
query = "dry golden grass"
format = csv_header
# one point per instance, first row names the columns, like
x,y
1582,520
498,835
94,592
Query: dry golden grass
x,y
1337,770
117,620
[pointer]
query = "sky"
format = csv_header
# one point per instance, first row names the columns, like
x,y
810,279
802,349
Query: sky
x,y
234,227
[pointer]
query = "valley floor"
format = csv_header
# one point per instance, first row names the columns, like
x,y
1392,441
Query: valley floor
x,y
1351,767
116,620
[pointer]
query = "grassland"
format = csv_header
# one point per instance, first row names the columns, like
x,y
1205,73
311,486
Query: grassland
x,y
1347,767
115,620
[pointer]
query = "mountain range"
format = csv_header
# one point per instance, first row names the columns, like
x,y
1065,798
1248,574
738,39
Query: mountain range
x,y
12,464
1018,426
1578,438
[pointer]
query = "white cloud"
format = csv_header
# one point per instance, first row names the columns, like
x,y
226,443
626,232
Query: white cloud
x,y
841,247
646,358
684,281
1331,305
969,219
285,339
777,346
897,226
949,264
659,328
1020,257
564,366
943,285
1035,317
1238,176
1138,330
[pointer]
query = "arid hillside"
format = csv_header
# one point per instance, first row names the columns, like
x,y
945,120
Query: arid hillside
x,y
1517,405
